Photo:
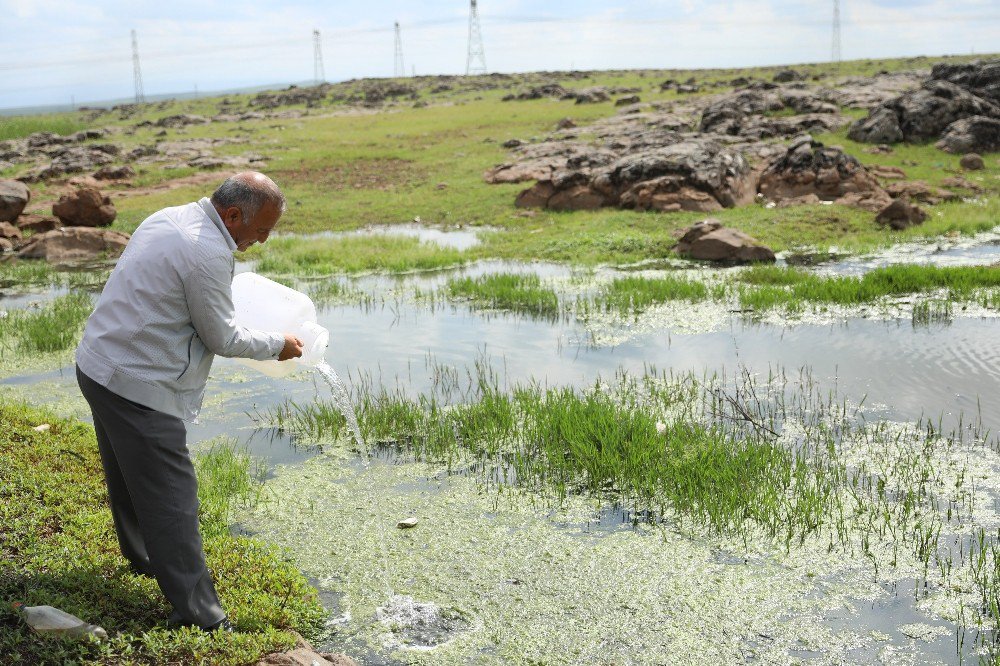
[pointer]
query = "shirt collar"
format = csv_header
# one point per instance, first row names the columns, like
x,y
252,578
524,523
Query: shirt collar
x,y
206,205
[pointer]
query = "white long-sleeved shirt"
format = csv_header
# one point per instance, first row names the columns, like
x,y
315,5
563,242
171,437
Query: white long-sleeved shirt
x,y
167,310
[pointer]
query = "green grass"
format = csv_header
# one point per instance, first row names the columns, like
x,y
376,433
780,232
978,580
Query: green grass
x,y
17,127
791,288
327,256
53,327
507,291
635,294
59,548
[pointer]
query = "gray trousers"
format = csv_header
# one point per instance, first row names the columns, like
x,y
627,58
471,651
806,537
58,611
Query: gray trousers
x,y
153,493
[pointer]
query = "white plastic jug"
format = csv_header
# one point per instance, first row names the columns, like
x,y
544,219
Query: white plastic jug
x,y
265,305
50,620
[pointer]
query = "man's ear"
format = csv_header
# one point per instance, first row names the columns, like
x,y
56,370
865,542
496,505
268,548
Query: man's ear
x,y
233,215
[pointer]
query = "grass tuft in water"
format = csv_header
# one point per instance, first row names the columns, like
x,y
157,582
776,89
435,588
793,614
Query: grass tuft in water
x,y
53,327
508,291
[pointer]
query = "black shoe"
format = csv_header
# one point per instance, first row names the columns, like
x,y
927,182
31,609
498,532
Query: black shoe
x,y
223,625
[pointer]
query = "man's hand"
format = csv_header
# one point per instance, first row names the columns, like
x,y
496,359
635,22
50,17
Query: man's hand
x,y
292,348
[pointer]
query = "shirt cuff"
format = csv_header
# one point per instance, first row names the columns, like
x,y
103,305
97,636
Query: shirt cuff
x,y
277,344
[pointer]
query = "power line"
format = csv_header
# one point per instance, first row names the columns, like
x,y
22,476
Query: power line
x,y
476,51
319,76
835,49
398,69
140,96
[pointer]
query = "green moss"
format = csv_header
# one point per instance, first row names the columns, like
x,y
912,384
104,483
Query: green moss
x,y
59,548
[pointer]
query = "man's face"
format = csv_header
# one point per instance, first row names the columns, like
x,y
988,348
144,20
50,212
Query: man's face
x,y
257,231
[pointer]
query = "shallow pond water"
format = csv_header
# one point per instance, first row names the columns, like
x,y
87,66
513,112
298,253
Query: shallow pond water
x,y
903,371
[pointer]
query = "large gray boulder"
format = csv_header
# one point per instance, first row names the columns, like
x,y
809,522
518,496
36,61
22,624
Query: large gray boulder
x,y
978,134
14,196
953,93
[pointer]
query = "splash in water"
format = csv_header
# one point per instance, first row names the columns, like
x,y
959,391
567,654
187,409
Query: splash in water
x,y
342,399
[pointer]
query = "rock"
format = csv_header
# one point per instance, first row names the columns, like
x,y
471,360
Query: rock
x,y
973,134
625,101
972,162
708,240
694,173
37,223
141,151
577,197
407,523
964,183
6,245
512,143
887,172
565,123
953,93
85,207
979,77
593,95
10,232
918,190
809,168
901,214
71,244
14,196
42,427
181,120
538,92
114,172
745,113
881,126
787,75
303,654
536,196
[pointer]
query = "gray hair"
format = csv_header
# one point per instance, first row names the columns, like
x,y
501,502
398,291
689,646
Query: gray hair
x,y
249,192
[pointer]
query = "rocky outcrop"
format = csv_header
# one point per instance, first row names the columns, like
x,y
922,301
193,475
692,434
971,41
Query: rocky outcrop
x,y
978,133
751,113
954,93
810,173
14,196
85,207
72,244
695,173
901,214
708,240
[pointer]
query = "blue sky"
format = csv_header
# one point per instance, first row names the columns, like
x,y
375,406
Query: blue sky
x,y
55,50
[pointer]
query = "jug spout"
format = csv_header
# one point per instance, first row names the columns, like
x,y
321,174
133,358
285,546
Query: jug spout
x,y
315,339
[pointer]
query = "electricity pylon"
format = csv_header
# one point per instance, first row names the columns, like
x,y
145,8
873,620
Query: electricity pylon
x,y
398,68
318,75
476,54
835,50
140,96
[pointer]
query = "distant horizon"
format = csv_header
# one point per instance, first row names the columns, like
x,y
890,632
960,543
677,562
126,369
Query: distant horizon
x,y
58,51
277,85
